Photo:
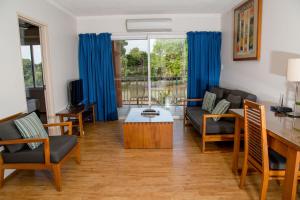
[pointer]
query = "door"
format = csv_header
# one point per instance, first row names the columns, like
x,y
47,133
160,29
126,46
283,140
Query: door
x,y
31,53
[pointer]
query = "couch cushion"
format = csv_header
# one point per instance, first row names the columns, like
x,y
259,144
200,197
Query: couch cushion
x,y
209,101
59,147
276,161
9,131
242,94
235,101
31,126
220,127
219,93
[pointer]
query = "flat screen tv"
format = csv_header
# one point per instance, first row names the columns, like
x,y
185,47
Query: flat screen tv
x,y
76,92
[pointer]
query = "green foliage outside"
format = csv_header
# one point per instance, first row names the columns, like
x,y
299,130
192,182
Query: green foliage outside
x,y
28,75
168,59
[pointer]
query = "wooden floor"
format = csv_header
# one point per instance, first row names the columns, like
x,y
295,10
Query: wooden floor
x,y
108,171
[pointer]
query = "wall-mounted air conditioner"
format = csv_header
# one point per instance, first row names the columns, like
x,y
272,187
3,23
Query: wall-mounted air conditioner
x,y
149,25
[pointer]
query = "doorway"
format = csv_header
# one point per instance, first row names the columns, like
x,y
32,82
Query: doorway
x,y
31,52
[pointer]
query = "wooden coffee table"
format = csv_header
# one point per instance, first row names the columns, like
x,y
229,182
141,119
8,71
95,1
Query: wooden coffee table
x,y
142,132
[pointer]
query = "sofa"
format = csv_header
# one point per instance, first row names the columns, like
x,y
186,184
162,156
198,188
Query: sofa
x,y
202,121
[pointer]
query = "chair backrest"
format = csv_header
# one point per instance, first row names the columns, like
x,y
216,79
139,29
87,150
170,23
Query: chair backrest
x,y
256,146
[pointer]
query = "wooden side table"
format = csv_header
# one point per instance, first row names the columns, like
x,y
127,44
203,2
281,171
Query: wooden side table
x,y
76,113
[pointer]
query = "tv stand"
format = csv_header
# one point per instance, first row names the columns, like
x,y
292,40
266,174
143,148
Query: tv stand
x,y
76,116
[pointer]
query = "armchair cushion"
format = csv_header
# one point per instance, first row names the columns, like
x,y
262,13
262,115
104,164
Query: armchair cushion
x,y
220,127
59,147
31,126
9,131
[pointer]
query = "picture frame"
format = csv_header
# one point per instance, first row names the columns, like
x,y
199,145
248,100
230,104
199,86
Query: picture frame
x,y
247,31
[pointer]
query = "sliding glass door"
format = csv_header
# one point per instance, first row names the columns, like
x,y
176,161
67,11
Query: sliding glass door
x,y
165,82
131,60
168,71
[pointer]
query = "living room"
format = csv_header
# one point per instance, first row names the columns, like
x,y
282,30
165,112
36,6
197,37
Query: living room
x,y
105,62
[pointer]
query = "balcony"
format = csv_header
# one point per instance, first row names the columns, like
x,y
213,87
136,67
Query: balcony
x,y
165,91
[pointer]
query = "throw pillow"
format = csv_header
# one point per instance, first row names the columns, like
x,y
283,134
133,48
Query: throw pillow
x,y
9,131
208,101
221,108
235,101
31,126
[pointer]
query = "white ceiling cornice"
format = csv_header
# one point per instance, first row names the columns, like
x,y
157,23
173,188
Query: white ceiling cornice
x,y
88,8
60,7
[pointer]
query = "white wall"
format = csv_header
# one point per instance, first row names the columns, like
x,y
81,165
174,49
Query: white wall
x,y
181,23
62,39
280,41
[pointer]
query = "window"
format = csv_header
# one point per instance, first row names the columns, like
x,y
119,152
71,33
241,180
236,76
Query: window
x,y
32,66
27,65
166,77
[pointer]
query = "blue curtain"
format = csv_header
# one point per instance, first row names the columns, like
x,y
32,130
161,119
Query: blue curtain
x,y
97,72
204,62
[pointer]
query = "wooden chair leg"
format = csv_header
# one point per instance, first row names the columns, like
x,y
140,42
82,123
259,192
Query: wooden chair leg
x,y
264,186
78,157
244,174
203,145
1,177
57,176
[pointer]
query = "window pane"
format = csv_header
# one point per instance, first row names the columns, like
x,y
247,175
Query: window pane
x,y
168,71
133,63
27,68
38,68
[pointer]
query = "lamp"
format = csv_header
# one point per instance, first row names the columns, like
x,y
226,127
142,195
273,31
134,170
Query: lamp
x,y
293,75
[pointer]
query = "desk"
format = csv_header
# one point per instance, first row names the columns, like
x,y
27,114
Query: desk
x,y
283,138
76,113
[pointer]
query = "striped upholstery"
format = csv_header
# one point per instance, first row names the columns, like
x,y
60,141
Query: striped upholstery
x,y
209,101
221,108
31,126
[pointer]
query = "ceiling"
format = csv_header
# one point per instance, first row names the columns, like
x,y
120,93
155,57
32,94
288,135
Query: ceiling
x,y
134,7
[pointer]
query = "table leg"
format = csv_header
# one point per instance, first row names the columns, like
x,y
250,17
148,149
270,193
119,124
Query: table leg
x,y
62,128
236,146
291,174
80,121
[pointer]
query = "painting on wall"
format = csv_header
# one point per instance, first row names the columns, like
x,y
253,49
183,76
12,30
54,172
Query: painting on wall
x,y
247,30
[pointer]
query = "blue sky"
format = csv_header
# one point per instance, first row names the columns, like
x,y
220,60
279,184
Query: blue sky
x,y
141,44
25,50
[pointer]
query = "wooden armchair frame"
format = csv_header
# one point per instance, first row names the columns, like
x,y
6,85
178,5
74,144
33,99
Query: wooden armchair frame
x,y
47,165
211,137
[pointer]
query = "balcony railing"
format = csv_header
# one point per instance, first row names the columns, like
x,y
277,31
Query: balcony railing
x,y
164,90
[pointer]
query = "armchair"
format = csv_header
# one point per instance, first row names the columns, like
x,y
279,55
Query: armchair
x,y
50,155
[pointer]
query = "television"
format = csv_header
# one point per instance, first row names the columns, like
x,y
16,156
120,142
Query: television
x,y
75,92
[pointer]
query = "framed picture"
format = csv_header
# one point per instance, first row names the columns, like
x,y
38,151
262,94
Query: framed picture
x,y
247,30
